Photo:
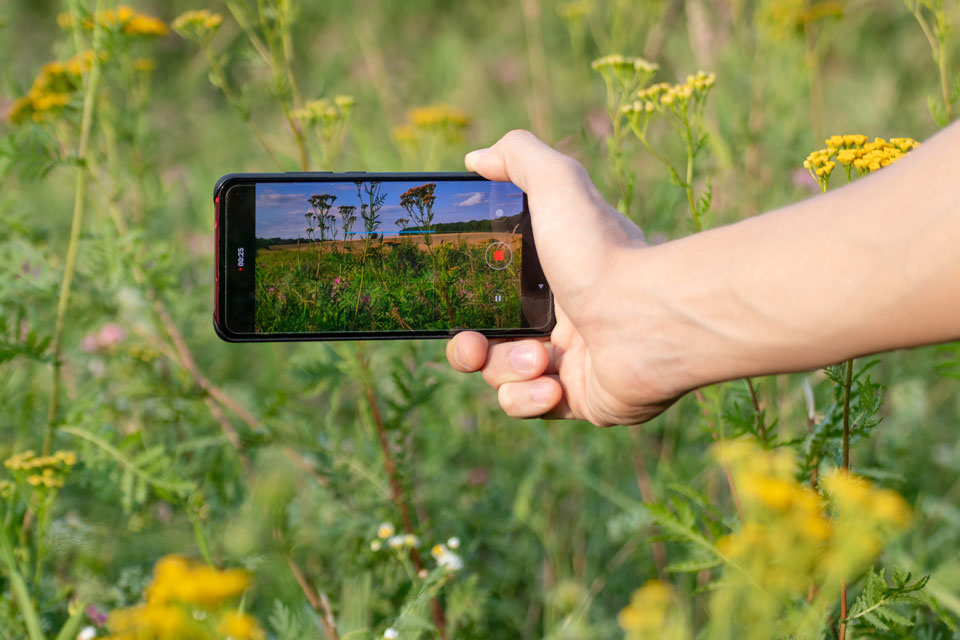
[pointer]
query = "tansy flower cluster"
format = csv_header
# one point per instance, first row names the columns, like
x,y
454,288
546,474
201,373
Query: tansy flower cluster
x,y
438,116
439,119
781,18
864,518
324,112
785,527
795,543
187,600
124,19
52,89
622,75
573,9
41,471
621,66
658,97
198,26
653,614
854,153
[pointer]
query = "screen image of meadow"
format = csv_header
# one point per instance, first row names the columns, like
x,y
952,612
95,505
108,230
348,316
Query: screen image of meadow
x,y
387,256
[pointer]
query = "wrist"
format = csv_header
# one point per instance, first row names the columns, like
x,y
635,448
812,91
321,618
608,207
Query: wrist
x,y
704,306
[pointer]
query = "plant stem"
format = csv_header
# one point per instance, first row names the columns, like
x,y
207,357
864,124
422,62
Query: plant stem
x,y
757,414
538,66
232,98
79,201
688,184
318,601
400,498
944,63
847,384
734,494
813,74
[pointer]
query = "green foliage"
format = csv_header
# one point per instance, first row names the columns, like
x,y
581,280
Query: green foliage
x,y
286,459
874,607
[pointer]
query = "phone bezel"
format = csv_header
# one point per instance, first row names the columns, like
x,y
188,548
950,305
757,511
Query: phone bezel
x,y
220,293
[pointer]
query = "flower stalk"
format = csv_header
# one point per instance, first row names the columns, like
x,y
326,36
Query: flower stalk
x,y
90,87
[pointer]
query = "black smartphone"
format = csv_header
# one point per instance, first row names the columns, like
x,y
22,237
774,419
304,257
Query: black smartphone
x,y
353,256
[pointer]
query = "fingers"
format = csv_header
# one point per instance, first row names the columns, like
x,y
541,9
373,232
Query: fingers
x,y
516,369
515,361
533,398
525,160
498,361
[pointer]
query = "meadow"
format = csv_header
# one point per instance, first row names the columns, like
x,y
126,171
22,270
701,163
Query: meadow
x,y
397,284
159,483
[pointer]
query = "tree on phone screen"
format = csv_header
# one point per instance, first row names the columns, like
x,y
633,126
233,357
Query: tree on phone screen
x,y
418,201
369,211
348,217
321,205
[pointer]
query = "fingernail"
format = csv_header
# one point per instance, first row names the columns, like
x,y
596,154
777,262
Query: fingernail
x,y
473,156
542,392
522,358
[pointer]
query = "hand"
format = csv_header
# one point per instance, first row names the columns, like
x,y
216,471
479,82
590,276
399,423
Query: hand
x,y
597,364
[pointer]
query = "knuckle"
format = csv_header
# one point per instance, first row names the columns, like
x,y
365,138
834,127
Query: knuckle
x,y
515,136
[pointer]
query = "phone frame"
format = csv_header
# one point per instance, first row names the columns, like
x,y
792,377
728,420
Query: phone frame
x,y
220,275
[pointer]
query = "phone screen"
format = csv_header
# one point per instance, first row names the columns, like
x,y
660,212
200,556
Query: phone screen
x,y
383,256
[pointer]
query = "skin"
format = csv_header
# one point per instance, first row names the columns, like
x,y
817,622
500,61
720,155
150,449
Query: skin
x,y
869,267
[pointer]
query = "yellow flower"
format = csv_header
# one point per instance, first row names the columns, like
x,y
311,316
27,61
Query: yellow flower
x,y
574,9
240,626
856,499
144,25
385,530
198,25
847,156
344,102
620,63
652,614
145,65
155,621
404,133
209,587
48,101
834,141
438,116
167,573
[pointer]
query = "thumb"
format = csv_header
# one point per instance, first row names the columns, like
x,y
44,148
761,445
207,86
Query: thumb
x,y
574,228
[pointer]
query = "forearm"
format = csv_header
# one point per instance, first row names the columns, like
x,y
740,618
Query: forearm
x,y
869,267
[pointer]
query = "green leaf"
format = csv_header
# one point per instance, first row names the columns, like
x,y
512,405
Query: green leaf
x,y
694,565
19,588
874,604
71,627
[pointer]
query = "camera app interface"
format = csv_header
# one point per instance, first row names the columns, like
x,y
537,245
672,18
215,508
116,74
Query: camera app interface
x,y
387,256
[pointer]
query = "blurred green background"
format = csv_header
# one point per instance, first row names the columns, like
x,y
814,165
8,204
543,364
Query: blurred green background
x,y
551,516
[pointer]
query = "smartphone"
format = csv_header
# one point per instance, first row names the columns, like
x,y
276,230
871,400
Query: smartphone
x,y
354,256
